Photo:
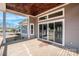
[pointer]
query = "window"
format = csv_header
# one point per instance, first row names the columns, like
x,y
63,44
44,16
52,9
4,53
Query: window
x,y
60,13
43,18
32,28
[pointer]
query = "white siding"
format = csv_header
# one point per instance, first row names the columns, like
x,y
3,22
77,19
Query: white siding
x,y
72,25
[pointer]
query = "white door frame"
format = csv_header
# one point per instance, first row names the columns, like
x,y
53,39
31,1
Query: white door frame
x,y
38,29
63,33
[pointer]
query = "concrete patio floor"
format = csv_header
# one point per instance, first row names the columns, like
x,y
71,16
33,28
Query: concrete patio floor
x,y
35,47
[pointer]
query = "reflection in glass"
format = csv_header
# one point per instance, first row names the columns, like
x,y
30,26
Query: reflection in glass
x,y
40,31
44,31
51,32
58,32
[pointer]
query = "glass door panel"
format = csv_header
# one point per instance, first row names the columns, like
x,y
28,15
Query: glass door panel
x,y
44,31
55,30
40,31
51,32
58,32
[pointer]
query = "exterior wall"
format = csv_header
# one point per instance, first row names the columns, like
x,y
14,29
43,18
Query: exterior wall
x,y
25,35
36,28
72,25
34,21
24,23
31,20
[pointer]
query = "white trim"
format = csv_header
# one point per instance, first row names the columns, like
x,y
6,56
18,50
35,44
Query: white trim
x,y
64,28
47,32
18,13
43,16
52,9
52,17
56,12
30,28
63,32
63,36
62,9
38,30
52,42
57,20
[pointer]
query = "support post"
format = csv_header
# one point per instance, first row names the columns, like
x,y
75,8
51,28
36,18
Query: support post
x,y
28,28
4,27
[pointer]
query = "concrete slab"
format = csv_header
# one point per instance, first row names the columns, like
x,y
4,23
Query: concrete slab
x,y
16,49
35,47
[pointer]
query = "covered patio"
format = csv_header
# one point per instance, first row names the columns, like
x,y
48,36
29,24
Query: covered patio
x,y
32,45
36,48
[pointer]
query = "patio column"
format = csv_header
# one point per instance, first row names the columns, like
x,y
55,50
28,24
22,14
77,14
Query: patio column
x,y
28,28
4,27
3,9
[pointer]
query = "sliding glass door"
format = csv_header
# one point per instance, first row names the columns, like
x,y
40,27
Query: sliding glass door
x,y
51,31
43,31
40,31
55,32
58,32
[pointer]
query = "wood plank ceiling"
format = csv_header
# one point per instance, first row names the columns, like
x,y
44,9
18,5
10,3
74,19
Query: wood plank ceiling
x,y
31,8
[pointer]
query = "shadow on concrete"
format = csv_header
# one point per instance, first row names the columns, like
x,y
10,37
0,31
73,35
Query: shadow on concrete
x,y
5,50
16,39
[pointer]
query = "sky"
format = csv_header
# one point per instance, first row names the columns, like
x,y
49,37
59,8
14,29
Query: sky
x,y
12,20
